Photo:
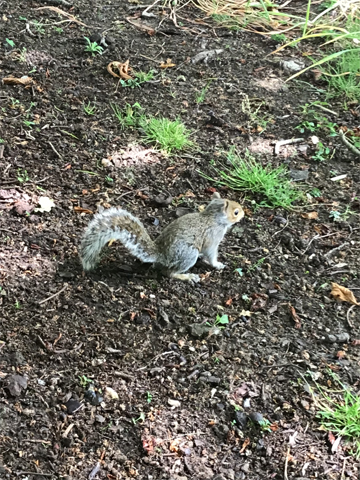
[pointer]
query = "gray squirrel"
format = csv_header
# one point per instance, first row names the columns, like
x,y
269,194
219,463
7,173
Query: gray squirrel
x,y
178,246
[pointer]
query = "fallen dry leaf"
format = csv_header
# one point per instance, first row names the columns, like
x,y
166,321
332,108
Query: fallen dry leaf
x,y
25,80
167,64
229,302
310,215
122,68
343,294
83,210
355,343
245,444
295,316
340,354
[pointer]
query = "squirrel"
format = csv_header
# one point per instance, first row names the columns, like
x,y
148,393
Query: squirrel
x,y
176,249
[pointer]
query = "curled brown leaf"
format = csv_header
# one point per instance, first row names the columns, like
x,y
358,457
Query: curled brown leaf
x,y
343,294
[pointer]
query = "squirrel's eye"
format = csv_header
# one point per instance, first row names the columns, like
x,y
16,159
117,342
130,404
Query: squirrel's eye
x,y
236,212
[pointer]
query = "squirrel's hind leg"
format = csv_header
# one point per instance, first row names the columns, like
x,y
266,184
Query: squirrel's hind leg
x,y
178,261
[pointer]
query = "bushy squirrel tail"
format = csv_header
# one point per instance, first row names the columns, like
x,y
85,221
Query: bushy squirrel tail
x,y
116,224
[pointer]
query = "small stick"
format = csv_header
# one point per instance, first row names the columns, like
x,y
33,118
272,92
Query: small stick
x,y
286,464
326,109
317,237
55,294
349,145
57,153
280,143
29,31
348,316
35,473
330,254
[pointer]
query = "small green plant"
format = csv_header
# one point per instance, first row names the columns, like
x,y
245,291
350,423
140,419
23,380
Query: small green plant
x,y
140,77
84,381
256,265
265,425
315,192
303,126
22,175
109,179
17,305
2,140
239,271
322,152
246,174
169,135
29,123
335,215
93,47
89,109
339,411
58,30
220,321
140,418
10,42
39,27
148,397
132,116
201,97
279,37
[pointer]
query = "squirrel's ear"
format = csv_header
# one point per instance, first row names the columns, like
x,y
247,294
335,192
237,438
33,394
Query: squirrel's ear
x,y
226,204
215,195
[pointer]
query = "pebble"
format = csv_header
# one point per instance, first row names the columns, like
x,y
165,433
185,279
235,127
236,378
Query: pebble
x,y
246,467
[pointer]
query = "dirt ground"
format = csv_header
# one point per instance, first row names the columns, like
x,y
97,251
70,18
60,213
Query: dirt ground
x,y
121,373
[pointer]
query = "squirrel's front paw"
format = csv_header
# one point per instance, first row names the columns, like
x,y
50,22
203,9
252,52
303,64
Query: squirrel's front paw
x,y
219,265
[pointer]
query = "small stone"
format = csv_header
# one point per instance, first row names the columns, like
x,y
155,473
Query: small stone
x,y
246,467
241,419
343,337
16,384
256,417
16,358
198,330
100,418
110,393
72,406
299,175
292,66
174,403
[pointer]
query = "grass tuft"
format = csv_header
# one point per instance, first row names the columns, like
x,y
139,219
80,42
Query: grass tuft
x,y
169,135
341,416
248,175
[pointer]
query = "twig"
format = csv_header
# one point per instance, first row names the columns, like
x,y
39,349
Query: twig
x,y
57,153
55,294
342,476
331,253
280,143
317,237
35,473
65,14
149,8
348,316
279,231
29,31
326,109
349,145
286,464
